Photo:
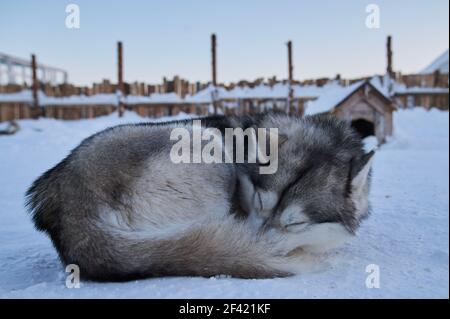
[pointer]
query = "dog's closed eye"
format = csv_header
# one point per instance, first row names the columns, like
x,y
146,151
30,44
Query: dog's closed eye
x,y
296,227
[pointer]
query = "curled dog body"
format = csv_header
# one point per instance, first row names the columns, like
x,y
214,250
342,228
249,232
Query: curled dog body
x,y
120,209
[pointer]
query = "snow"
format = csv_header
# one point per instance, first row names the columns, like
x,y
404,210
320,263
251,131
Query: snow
x,y
441,64
205,96
22,96
155,98
97,99
381,83
278,91
331,96
406,235
44,100
262,91
402,89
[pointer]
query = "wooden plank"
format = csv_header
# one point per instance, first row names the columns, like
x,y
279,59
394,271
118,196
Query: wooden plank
x,y
120,75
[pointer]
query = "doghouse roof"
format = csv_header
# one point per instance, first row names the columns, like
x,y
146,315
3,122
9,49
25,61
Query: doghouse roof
x,y
336,96
362,86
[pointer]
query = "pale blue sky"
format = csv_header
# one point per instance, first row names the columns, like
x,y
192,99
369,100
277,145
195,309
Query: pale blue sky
x,y
164,38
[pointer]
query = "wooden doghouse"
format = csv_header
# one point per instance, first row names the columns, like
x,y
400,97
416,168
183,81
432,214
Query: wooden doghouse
x,y
369,110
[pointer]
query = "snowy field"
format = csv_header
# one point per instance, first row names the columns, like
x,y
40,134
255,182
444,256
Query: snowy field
x,y
406,236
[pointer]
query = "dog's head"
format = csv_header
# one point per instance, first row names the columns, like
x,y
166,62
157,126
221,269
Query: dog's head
x,y
323,177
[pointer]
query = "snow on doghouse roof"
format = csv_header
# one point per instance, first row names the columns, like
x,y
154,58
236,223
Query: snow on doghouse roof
x,y
440,63
331,96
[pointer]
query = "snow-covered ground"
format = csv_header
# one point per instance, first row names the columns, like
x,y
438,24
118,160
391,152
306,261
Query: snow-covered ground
x,y
407,235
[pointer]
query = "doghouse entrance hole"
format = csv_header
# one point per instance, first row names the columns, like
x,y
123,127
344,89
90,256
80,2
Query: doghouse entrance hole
x,y
363,127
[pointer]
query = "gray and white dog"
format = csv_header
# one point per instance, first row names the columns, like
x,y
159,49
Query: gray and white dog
x,y
120,209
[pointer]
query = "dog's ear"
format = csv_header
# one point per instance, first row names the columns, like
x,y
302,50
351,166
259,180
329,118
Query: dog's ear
x,y
360,171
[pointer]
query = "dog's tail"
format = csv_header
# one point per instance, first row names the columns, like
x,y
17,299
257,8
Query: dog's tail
x,y
220,247
44,201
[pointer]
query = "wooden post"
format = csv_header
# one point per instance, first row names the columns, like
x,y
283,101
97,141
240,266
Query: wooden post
x,y
120,77
290,80
436,78
214,73
389,68
213,59
35,87
290,66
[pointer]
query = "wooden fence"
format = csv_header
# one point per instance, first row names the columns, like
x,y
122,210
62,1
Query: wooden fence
x,y
423,80
16,110
23,110
76,112
426,100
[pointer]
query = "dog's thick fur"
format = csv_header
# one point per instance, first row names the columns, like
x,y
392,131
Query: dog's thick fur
x,y
120,209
